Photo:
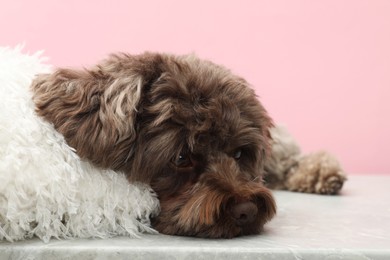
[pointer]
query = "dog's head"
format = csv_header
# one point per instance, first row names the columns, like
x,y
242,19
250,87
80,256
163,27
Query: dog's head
x,y
191,129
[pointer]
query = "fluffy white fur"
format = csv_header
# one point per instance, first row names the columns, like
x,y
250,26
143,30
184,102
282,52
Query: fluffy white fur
x,y
45,189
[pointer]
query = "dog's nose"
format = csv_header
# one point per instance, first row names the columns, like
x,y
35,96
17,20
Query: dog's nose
x,y
244,212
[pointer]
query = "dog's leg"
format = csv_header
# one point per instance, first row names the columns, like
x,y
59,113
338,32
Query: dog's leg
x,y
287,169
317,173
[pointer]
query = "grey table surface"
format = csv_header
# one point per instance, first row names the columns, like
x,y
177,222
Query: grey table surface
x,y
354,225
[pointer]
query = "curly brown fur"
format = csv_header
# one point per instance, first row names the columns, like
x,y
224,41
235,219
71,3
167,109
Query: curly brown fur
x,y
191,129
288,169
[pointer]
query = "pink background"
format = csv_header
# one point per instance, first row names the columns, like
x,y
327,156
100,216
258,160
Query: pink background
x,y
322,68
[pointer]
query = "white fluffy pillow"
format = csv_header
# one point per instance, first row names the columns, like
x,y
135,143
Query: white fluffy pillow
x,y
45,189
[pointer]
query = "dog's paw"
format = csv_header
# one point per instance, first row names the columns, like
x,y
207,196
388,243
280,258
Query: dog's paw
x,y
329,182
318,173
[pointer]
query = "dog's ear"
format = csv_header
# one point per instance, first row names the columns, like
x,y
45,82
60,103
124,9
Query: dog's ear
x,y
96,109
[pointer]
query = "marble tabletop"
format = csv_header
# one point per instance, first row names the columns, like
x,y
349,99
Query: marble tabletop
x,y
354,225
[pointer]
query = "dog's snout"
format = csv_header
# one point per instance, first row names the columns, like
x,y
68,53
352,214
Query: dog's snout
x,y
244,213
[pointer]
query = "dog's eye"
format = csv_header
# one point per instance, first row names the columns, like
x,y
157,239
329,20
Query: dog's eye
x,y
183,161
237,154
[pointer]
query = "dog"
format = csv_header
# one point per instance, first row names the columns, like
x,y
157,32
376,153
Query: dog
x,y
192,130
